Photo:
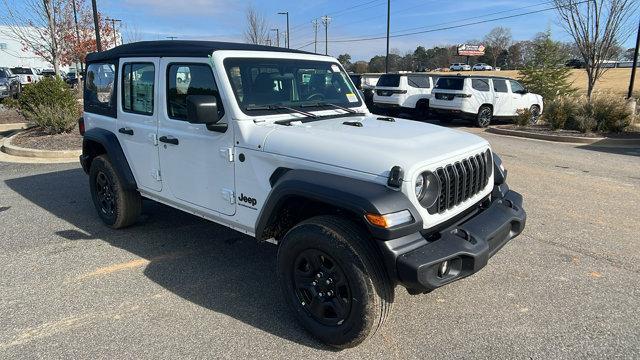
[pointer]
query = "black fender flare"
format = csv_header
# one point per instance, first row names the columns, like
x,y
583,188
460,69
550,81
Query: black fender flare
x,y
110,143
357,196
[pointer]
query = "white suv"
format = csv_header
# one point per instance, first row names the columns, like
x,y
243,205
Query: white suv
x,y
409,92
482,98
482,67
460,67
278,145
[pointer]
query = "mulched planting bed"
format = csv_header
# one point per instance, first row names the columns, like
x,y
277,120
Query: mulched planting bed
x,y
10,116
37,139
546,130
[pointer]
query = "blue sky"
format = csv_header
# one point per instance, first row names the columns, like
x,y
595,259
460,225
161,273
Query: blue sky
x,y
224,20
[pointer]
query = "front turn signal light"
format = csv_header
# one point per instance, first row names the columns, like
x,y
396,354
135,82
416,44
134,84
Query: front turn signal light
x,y
390,220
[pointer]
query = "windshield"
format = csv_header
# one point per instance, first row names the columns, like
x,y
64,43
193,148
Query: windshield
x,y
289,82
447,83
22,71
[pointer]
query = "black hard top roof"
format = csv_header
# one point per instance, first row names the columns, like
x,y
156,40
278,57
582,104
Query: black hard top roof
x,y
186,48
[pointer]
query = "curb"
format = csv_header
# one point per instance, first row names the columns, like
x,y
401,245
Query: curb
x,y
599,141
13,127
41,154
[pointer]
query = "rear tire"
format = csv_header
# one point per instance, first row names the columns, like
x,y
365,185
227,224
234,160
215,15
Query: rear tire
x,y
333,280
484,117
117,207
421,112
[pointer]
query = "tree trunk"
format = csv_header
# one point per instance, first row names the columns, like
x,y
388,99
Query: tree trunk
x,y
52,33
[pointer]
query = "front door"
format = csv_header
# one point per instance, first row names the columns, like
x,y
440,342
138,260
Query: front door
x,y
196,163
502,103
518,95
137,122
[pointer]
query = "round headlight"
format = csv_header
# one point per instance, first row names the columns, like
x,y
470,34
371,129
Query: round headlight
x,y
430,189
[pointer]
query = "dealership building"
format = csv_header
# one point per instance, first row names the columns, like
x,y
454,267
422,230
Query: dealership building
x,y
14,54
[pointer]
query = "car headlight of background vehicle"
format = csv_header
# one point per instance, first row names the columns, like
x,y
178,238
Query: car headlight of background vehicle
x,y
427,188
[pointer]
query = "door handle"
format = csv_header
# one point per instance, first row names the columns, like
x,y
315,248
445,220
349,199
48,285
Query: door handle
x,y
126,131
169,140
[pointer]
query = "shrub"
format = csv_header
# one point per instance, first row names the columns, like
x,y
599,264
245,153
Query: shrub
x,y
50,104
523,117
558,111
610,112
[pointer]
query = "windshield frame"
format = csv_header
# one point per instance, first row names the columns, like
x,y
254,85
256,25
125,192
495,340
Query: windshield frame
x,y
229,62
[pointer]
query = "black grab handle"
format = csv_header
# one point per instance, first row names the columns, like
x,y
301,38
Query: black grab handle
x,y
168,140
125,131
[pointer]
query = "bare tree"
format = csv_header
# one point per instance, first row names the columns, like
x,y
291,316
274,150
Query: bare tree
x,y
597,27
132,33
497,41
38,28
257,31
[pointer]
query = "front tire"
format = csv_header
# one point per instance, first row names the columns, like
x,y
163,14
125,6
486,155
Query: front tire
x,y
334,281
484,117
116,206
535,114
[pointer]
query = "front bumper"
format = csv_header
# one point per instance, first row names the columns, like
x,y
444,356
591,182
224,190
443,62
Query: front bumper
x,y
466,245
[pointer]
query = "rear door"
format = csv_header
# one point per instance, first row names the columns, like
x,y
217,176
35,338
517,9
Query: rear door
x,y
137,122
196,163
503,103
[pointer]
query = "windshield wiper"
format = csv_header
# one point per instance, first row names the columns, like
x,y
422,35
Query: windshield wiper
x,y
279,107
322,103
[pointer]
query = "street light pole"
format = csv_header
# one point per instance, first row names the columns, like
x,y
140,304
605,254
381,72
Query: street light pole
x,y
96,25
325,22
635,64
277,36
386,58
315,35
288,33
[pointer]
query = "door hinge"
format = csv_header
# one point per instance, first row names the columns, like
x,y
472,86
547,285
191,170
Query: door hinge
x,y
154,139
155,173
228,195
227,153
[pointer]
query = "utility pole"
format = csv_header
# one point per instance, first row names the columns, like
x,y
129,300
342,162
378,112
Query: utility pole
x,y
315,35
113,28
75,18
386,58
287,14
96,25
277,36
635,64
325,22
172,37
268,42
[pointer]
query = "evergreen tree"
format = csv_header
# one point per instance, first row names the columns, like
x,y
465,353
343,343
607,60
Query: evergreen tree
x,y
545,73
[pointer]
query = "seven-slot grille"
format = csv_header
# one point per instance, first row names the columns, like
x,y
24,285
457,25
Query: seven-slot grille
x,y
462,180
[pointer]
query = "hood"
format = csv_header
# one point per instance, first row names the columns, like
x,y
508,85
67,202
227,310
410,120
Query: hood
x,y
375,147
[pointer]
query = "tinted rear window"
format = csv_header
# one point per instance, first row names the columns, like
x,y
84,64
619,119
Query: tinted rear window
x,y
390,80
418,81
24,71
450,83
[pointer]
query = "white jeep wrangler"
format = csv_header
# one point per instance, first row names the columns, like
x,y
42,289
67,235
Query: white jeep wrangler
x,y
278,145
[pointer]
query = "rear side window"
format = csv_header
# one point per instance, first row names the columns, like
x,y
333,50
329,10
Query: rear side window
x,y
389,80
418,81
451,83
480,84
138,82
99,94
188,79
500,85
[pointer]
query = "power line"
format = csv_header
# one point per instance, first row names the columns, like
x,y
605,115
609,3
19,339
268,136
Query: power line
x,y
451,27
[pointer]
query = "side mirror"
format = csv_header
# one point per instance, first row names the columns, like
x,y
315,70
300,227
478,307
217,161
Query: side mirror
x,y
203,109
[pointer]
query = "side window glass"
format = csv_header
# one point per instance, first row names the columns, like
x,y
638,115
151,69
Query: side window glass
x,y
418,81
185,80
138,81
480,84
99,89
500,85
516,86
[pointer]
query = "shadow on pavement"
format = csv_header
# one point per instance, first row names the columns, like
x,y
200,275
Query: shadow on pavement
x,y
205,263
619,150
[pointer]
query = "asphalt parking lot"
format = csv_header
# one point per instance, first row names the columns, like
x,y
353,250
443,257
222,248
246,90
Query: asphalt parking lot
x,y
176,286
